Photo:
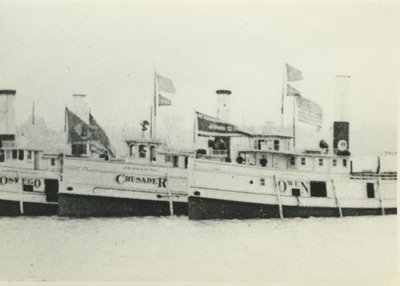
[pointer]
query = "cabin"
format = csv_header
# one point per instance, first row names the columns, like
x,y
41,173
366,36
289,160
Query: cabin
x,y
277,152
31,159
154,152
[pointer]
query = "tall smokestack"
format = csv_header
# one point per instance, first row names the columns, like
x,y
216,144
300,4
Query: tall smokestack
x,y
223,108
342,98
80,106
341,125
8,123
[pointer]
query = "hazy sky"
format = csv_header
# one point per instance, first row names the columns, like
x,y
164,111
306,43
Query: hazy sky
x,y
108,50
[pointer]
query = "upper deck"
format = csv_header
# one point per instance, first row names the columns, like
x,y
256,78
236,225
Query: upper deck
x,y
28,159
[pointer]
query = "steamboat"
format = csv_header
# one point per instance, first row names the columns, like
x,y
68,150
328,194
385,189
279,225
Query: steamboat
x,y
150,181
29,177
265,176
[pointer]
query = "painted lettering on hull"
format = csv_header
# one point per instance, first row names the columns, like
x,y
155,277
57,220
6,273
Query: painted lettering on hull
x,y
15,180
160,182
286,184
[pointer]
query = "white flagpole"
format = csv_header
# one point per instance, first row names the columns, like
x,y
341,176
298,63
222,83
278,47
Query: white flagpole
x,y
294,123
33,113
155,105
151,121
283,94
194,128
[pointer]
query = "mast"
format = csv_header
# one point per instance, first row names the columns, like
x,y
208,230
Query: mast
x,y
155,105
33,113
65,118
151,121
294,123
194,128
283,95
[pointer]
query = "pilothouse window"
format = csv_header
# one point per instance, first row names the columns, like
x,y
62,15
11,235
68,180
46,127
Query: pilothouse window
x,y
1,155
276,145
21,155
142,151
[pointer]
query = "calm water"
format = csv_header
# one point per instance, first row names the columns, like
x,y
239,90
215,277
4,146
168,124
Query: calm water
x,y
51,248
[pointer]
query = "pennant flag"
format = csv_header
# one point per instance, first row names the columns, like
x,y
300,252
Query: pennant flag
x,y
308,111
78,130
293,74
165,84
163,101
291,91
210,126
100,136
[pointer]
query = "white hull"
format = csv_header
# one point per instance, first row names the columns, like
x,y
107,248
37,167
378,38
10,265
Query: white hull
x,y
233,184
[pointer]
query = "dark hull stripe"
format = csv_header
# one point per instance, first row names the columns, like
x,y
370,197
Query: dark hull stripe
x,y
74,205
11,208
204,208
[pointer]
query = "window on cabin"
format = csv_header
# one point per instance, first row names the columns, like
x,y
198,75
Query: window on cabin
x,y
2,156
53,161
344,163
153,153
14,154
334,162
167,158
176,161
276,145
29,155
303,161
21,155
370,190
321,162
132,151
318,189
8,154
142,151
262,182
293,160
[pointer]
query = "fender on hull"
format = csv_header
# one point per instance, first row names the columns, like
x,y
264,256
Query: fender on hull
x,y
74,205
205,208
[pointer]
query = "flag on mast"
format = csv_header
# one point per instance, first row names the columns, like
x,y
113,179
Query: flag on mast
x,y
163,101
293,74
100,136
291,91
79,132
165,84
308,111
211,126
